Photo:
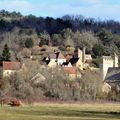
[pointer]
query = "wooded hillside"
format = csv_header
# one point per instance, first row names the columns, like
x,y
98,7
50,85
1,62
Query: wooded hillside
x,y
99,37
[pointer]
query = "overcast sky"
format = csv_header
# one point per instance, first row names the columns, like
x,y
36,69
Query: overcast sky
x,y
103,9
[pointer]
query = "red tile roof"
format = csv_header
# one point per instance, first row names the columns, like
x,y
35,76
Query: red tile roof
x,y
70,70
11,65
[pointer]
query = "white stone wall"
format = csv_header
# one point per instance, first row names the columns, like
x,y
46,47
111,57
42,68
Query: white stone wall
x,y
115,61
88,57
106,64
7,73
53,62
79,64
80,54
61,61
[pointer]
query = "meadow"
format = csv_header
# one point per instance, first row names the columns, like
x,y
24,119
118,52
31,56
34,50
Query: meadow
x,y
61,112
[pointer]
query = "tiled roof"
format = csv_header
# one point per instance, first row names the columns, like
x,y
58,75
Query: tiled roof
x,y
52,56
38,78
11,65
60,56
113,74
57,55
70,70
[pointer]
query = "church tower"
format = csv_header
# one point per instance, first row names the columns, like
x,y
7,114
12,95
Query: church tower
x,y
109,61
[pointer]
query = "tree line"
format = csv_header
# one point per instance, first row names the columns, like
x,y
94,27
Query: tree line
x,y
55,25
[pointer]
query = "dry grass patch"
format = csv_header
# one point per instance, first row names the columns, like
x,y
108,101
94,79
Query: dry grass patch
x,y
61,112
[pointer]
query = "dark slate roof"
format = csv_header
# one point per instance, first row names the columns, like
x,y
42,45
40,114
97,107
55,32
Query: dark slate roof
x,y
113,75
46,61
73,60
65,63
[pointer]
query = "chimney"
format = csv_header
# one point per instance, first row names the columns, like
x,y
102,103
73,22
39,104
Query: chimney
x,y
84,49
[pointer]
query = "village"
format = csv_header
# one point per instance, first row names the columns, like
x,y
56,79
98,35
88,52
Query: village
x,y
59,60
73,62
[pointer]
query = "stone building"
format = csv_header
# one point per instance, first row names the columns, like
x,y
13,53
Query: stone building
x,y
107,62
83,58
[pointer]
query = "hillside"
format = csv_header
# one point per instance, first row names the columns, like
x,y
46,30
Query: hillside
x,y
33,46
99,37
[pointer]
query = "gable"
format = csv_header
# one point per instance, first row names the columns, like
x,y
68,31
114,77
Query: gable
x,y
38,77
57,55
60,56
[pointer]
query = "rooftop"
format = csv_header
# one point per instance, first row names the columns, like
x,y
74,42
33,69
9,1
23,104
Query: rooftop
x,y
74,60
11,65
113,74
38,78
70,70
57,55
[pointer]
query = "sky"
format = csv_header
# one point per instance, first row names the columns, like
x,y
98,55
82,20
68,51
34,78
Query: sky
x,y
98,9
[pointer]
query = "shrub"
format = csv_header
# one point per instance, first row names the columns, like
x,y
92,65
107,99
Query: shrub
x,y
29,43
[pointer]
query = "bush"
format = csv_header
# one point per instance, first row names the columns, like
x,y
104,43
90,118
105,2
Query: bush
x,y
36,50
96,62
6,53
29,43
26,53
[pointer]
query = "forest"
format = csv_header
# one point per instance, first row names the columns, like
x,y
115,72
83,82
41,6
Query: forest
x,y
99,37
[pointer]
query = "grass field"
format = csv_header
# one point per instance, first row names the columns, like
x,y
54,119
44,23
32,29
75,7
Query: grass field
x,y
61,112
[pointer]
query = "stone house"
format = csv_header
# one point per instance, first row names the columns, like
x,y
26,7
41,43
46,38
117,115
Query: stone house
x,y
107,62
72,72
80,59
55,59
113,78
10,68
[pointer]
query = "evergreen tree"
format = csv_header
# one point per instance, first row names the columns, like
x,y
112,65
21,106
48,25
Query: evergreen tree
x,y
29,43
6,53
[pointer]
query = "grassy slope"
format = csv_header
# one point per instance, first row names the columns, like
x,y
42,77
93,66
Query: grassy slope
x,y
62,112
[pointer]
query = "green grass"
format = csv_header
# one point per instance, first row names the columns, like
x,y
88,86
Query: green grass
x,y
61,112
